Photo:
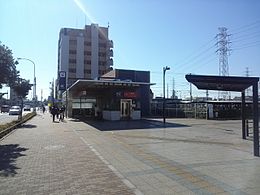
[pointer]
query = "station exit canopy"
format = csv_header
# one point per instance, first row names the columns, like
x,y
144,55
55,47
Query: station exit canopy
x,y
233,83
222,83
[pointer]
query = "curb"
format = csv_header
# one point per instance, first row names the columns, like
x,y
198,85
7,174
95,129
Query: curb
x,y
8,130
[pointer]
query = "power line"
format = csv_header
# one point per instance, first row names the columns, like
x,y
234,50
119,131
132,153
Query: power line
x,y
202,65
198,61
248,35
192,54
247,45
191,60
246,27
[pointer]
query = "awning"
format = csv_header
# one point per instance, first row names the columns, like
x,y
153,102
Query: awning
x,y
81,84
222,83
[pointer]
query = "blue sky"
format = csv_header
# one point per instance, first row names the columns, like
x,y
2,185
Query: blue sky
x,y
147,35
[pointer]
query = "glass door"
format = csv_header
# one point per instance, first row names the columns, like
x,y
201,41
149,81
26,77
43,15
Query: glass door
x,y
125,108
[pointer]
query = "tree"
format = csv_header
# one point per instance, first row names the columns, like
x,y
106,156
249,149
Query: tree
x,y
22,87
8,73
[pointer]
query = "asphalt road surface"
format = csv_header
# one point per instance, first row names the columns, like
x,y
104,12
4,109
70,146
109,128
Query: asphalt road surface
x,y
6,118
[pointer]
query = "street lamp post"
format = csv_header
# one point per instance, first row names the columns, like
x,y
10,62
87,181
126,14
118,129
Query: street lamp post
x,y
164,70
34,82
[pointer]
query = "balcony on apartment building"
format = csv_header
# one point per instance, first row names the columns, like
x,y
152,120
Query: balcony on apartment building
x,y
110,62
110,44
110,53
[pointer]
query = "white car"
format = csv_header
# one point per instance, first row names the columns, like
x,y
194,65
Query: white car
x,y
27,108
14,110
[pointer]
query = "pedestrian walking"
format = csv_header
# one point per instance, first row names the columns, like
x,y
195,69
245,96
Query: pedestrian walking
x,y
43,109
62,111
54,111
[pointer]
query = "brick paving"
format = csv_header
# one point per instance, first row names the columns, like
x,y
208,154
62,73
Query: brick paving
x,y
128,157
49,158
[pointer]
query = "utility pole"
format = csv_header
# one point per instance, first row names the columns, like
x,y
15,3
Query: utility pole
x,y
164,71
173,89
167,90
41,95
190,92
52,92
223,51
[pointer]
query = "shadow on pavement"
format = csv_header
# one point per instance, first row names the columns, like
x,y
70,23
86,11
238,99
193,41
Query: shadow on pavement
x,y
29,126
8,155
127,125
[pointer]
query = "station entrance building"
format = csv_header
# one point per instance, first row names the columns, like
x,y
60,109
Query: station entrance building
x,y
117,95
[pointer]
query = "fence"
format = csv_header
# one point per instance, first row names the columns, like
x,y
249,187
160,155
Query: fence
x,y
201,110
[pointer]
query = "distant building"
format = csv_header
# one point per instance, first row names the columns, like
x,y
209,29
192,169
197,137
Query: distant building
x,y
84,53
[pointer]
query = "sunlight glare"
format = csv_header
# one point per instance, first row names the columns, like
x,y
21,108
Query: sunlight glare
x,y
82,8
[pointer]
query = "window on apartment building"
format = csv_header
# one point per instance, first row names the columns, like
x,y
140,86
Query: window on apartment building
x,y
102,45
72,70
87,62
87,71
101,36
101,72
72,51
101,54
101,63
73,42
73,61
87,43
88,53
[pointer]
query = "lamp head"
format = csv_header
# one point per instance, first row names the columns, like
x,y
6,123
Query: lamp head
x,y
166,68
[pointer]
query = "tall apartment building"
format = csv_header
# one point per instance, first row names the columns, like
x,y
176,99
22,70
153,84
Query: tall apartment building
x,y
84,53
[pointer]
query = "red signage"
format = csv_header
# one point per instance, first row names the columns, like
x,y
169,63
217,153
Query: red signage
x,y
129,94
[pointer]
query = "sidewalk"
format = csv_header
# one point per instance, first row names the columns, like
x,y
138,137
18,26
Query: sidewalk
x,y
49,158
128,157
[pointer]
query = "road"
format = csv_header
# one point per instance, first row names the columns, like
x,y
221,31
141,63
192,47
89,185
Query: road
x,y
6,118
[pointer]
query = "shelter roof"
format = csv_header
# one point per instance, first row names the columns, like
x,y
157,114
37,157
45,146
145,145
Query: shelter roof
x,y
223,83
82,83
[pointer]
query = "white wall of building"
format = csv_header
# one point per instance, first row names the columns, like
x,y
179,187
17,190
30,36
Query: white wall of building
x,y
94,51
64,54
80,57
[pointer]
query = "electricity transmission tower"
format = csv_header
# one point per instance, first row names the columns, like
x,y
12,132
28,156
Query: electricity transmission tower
x,y
223,51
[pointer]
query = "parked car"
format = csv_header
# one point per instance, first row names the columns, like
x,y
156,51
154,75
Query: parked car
x,y
27,108
15,110
5,108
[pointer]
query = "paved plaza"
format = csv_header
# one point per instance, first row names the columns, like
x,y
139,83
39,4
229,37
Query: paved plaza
x,y
187,156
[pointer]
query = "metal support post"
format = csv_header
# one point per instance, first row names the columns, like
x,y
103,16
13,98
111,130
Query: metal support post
x,y
164,70
255,119
243,116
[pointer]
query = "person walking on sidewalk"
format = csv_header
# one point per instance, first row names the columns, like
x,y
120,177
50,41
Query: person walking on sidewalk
x,y
62,110
43,109
54,111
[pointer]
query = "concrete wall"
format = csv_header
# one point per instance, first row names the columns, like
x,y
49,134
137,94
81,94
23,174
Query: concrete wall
x,y
64,54
80,57
94,51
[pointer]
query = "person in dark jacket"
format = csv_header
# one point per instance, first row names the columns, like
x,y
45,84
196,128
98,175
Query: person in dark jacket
x,y
54,112
62,111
